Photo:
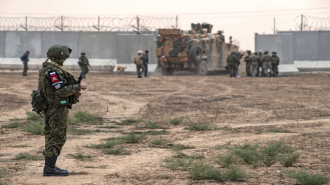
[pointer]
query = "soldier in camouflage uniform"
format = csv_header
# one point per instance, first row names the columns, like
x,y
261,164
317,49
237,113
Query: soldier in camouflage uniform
x,y
275,62
266,64
255,64
83,63
248,63
232,64
60,90
138,60
260,64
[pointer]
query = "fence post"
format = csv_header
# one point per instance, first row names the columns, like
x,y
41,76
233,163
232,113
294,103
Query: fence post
x,y
98,23
177,19
61,22
138,23
26,24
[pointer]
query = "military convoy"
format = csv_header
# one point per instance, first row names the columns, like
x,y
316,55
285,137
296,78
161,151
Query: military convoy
x,y
198,50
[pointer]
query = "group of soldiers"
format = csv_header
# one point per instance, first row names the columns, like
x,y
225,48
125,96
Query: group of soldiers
x,y
257,64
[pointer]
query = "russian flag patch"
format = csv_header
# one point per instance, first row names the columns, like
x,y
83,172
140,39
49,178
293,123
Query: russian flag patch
x,y
53,77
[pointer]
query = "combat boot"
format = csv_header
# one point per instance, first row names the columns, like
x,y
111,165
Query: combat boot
x,y
51,170
139,76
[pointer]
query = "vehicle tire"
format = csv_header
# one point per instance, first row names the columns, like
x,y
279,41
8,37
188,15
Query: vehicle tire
x,y
167,71
202,68
196,54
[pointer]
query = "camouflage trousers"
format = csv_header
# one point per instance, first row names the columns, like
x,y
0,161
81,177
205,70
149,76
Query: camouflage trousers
x,y
275,69
84,68
56,118
265,67
232,68
139,67
255,69
248,69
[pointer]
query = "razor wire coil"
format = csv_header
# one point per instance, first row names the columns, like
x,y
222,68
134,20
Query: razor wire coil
x,y
310,23
64,23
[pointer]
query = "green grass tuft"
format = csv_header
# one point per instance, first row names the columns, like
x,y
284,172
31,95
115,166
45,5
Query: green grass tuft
x,y
81,117
80,155
278,130
129,121
117,151
19,146
308,179
158,142
178,163
78,173
14,123
29,157
108,144
226,160
289,159
32,116
198,127
35,128
175,121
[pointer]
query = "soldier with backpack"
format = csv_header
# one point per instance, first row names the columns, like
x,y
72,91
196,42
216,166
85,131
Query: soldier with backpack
x,y
57,91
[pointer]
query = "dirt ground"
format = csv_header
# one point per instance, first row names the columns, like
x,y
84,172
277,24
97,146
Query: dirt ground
x,y
250,106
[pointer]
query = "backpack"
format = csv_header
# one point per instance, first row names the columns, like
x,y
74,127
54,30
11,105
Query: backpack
x,y
38,101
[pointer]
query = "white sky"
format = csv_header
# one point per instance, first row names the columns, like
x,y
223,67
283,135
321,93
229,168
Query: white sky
x,y
240,26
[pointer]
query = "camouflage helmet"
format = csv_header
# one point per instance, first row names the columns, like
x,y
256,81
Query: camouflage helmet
x,y
265,52
255,53
234,53
248,51
82,53
59,52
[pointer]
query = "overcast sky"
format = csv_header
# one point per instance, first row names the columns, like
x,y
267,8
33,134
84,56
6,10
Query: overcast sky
x,y
240,19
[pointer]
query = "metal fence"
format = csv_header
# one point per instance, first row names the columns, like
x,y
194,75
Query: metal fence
x,y
98,23
310,23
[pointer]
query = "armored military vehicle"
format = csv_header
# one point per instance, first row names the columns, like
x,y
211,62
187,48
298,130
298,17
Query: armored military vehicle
x,y
198,50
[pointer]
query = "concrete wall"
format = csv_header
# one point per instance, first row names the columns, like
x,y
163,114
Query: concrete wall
x,y
99,46
283,45
311,49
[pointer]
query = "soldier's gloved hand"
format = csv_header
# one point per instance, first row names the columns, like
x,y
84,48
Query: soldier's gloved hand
x,y
83,85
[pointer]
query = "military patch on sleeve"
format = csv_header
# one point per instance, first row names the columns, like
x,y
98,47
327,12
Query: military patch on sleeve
x,y
56,81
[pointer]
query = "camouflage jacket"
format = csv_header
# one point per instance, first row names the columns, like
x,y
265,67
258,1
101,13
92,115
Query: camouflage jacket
x,y
254,59
83,60
266,58
247,58
275,60
57,86
232,59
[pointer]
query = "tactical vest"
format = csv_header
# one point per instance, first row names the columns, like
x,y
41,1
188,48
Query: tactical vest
x,y
48,90
266,58
254,59
275,60
138,60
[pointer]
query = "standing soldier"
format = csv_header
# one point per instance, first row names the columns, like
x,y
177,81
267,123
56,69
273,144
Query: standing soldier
x,y
25,60
255,63
260,64
83,63
266,64
138,60
145,63
275,63
232,64
60,90
248,63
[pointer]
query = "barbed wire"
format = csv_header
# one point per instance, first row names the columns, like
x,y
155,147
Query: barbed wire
x,y
310,23
64,23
